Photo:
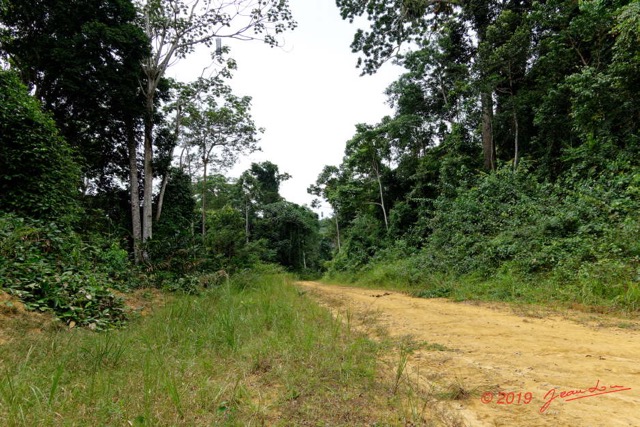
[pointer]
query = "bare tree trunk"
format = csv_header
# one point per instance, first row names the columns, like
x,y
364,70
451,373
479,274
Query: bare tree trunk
x,y
337,231
147,208
246,221
516,156
204,192
384,210
516,129
163,187
185,163
488,146
136,228
304,259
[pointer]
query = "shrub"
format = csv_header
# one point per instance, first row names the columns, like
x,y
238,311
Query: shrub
x,y
509,236
51,269
38,175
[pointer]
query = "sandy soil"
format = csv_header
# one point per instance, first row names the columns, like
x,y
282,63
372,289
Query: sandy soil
x,y
531,369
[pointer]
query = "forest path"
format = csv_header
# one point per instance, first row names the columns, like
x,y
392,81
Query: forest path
x,y
552,369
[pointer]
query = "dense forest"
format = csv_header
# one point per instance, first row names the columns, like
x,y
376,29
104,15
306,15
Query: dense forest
x,y
509,169
141,284
111,173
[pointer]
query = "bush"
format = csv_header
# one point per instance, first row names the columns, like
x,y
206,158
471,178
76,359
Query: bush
x,y
510,236
510,218
51,269
38,175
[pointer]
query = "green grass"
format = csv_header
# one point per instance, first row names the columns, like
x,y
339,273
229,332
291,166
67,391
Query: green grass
x,y
610,286
253,352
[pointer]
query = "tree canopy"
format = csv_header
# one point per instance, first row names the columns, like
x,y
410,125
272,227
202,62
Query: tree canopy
x,y
82,60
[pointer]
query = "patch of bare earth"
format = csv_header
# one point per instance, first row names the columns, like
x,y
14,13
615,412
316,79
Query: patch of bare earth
x,y
491,366
16,320
143,301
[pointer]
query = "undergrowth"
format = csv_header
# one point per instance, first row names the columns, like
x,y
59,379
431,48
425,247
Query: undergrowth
x,y
509,237
601,287
51,268
252,351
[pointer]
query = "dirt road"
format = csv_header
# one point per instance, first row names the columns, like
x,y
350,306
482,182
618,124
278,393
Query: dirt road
x,y
520,369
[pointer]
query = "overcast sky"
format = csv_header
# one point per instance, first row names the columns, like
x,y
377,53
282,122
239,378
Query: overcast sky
x,y
307,95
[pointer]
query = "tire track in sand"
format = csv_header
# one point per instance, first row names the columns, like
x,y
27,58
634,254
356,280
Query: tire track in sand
x,y
576,374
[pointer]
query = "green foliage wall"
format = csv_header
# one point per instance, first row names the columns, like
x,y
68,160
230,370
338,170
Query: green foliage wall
x,y
82,60
549,90
38,175
511,219
291,232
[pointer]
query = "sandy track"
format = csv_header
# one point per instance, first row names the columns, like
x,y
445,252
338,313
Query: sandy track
x,y
576,374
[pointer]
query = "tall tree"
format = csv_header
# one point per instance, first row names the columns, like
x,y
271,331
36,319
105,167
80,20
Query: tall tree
x,y
267,179
176,28
220,132
366,154
505,52
82,59
259,186
326,186
394,22
184,96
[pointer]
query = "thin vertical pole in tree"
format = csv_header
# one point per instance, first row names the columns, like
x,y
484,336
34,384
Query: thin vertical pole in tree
x,y
516,143
134,193
204,192
488,146
337,230
246,220
384,210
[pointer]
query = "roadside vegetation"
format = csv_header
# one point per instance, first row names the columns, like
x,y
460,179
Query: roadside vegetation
x,y
252,351
515,239
509,169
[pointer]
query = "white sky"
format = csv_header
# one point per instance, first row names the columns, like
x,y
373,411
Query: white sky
x,y
307,95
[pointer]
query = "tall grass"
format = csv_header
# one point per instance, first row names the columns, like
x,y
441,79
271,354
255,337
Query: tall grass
x,y
252,352
607,285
